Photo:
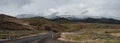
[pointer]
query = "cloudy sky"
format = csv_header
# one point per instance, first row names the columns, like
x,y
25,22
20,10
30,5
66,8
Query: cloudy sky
x,y
80,8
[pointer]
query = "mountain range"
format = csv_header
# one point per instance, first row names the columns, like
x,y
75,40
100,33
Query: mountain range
x,y
71,18
56,24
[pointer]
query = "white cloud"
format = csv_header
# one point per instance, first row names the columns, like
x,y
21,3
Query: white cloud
x,y
12,7
81,8
98,8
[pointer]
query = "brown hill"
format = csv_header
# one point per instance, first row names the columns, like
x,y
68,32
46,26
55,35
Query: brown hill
x,y
6,16
44,24
13,23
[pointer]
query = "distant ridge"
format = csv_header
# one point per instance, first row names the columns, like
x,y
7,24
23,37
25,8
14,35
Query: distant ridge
x,y
87,20
70,18
6,16
26,16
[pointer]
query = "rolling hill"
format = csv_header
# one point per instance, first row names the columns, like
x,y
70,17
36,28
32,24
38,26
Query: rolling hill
x,y
35,23
57,24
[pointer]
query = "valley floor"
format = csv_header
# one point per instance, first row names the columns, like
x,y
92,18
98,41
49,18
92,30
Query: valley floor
x,y
92,36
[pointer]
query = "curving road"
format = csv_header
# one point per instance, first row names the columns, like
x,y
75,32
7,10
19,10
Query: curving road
x,y
46,38
51,41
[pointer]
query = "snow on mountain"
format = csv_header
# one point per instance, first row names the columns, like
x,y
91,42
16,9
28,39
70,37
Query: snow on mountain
x,y
26,16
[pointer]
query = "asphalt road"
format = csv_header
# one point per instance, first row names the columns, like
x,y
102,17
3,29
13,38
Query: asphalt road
x,y
46,38
51,41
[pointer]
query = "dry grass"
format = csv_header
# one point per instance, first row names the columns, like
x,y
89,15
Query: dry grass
x,y
13,34
92,33
90,37
79,26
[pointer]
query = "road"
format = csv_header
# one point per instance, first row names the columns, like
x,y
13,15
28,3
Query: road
x,y
46,38
51,41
